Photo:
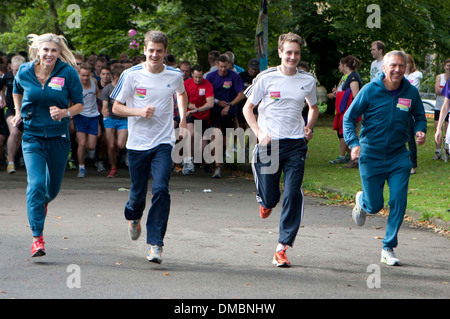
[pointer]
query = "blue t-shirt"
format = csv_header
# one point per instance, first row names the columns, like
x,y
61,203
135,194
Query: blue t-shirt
x,y
225,89
446,90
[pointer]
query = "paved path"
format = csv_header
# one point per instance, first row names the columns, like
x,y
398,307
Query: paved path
x,y
216,247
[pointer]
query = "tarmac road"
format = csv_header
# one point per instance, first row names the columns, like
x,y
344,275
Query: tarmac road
x,y
216,247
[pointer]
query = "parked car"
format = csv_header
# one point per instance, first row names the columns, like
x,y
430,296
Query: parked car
x,y
429,107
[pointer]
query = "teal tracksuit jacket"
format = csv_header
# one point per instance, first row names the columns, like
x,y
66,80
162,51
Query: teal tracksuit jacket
x,y
384,156
45,142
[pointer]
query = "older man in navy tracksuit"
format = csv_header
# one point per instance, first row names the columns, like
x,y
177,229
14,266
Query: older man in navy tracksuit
x,y
385,105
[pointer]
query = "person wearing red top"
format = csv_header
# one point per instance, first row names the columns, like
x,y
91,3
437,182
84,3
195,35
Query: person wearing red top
x,y
200,99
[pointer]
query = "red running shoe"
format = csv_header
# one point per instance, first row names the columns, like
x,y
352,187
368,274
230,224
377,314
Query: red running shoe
x,y
37,249
264,212
113,173
280,259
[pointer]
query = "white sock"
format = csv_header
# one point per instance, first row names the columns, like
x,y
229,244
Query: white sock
x,y
280,247
438,151
80,166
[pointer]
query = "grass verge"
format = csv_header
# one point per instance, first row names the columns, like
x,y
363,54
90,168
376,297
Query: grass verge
x,y
428,193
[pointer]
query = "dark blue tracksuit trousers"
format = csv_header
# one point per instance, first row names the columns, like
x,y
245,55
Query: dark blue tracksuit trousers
x,y
158,162
287,156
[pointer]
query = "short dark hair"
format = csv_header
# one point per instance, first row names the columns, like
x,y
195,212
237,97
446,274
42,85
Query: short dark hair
x,y
117,69
106,67
197,68
224,58
185,62
156,37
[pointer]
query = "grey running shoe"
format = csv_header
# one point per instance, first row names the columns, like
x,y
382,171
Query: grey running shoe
x,y
388,257
217,173
437,156
154,254
100,166
339,160
188,165
134,229
358,214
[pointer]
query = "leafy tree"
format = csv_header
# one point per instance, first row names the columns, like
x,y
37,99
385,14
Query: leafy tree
x,y
332,29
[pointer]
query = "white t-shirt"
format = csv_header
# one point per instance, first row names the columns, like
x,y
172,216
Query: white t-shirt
x,y
414,78
139,88
375,68
282,99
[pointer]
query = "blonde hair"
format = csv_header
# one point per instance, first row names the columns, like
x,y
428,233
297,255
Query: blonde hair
x,y
17,60
36,42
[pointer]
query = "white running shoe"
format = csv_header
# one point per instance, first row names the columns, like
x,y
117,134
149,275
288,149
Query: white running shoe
x,y
188,165
358,214
100,166
154,254
388,257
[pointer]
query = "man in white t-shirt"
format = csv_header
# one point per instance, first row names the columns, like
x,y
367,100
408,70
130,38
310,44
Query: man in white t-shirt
x,y
377,50
280,93
144,94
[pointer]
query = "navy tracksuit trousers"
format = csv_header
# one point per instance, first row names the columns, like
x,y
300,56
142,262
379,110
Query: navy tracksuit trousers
x,y
157,162
268,162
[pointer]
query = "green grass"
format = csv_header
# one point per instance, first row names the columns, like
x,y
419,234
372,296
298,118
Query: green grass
x,y
428,189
